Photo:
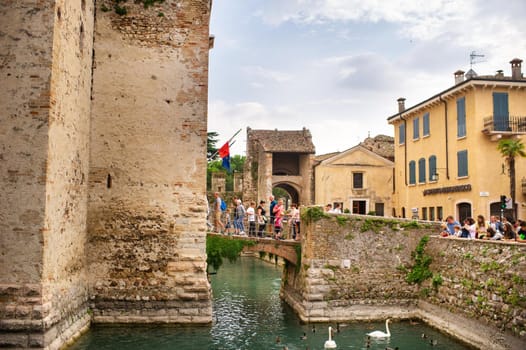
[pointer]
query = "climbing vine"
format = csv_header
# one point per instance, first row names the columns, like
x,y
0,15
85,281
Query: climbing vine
x,y
313,214
420,271
218,247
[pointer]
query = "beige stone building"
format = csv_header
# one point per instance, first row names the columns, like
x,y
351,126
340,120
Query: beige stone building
x,y
360,178
447,162
102,166
279,158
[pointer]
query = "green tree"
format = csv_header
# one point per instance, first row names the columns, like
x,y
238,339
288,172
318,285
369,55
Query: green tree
x,y
511,149
237,163
211,143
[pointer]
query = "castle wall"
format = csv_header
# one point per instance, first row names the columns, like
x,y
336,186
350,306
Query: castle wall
x,y
355,268
147,207
46,72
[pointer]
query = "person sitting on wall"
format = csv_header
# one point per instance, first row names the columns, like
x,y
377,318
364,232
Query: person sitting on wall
x,y
495,223
521,233
481,227
328,208
450,223
443,230
468,230
336,209
508,233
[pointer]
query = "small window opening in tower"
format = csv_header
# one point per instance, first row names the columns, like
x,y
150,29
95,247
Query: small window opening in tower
x,y
108,181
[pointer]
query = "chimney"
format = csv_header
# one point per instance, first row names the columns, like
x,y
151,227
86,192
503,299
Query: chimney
x,y
401,104
459,76
500,74
516,73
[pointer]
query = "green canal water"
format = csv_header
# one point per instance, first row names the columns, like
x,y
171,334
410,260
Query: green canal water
x,y
248,314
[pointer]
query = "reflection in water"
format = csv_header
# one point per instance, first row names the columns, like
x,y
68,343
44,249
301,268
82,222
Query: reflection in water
x,y
248,314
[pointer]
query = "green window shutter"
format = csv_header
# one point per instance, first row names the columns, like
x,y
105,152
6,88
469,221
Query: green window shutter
x,y
421,170
432,167
416,129
425,121
461,117
462,160
412,172
401,134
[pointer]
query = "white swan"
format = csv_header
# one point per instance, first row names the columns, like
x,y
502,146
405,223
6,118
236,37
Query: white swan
x,y
380,334
330,344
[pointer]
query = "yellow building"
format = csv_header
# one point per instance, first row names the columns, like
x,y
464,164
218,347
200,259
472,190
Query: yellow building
x,y
360,178
446,157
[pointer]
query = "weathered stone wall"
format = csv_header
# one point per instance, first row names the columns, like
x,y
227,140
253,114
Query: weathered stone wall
x,y
355,268
147,203
46,73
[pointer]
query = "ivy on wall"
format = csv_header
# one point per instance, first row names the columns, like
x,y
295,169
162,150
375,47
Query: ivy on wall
x,y
218,247
420,270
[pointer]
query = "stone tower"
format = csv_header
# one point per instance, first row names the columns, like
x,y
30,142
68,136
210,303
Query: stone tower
x,y
102,163
147,182
45,65
279,158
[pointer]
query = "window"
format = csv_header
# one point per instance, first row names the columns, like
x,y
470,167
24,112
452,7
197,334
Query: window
x,y
501,114
462,163
422,170
416,128
432,168
424,213
425,121
461,117
412,172
440,213
401,134
357,180
432,213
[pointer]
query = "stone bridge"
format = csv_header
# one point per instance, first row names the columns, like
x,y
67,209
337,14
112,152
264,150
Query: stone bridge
x,y
289,250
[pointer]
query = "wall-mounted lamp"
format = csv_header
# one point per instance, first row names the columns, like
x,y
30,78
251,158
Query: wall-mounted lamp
x,y
434,177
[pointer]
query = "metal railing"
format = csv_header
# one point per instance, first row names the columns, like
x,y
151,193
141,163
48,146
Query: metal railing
x,y
513,124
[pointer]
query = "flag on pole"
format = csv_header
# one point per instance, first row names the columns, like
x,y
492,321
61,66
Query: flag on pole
x,y
226,163
224,150
224,153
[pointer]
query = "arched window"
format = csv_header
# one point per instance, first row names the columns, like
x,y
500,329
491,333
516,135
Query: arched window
x,y
412,172
432,168
422,170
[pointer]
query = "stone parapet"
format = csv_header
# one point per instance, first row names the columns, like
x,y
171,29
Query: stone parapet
x,y
355,268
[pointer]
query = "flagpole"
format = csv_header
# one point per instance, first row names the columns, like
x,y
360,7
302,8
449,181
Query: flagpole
x,y
217,151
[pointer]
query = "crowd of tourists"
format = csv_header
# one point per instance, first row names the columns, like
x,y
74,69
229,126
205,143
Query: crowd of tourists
x,y
480,228
256,221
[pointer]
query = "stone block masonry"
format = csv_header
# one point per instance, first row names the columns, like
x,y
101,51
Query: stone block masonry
x,y
102,166
147,209
355,268
45,67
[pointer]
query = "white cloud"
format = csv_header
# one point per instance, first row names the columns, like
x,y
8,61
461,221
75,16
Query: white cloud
x,y
266,74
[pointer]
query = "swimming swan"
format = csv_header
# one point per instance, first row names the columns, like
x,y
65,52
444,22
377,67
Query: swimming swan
x,y
380,334
330,344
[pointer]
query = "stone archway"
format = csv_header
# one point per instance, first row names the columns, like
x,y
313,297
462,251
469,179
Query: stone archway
x,y
291,190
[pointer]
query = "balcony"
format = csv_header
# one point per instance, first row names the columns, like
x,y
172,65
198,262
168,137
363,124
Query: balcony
x,y
496,127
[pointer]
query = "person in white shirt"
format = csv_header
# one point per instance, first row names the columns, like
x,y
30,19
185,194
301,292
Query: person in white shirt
x,y
251,213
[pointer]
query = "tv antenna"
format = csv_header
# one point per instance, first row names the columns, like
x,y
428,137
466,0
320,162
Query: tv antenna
x,y
473,56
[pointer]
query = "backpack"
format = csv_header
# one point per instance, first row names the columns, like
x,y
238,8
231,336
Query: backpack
x,y
223,205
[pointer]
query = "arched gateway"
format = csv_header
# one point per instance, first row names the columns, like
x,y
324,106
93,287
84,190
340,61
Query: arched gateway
x,y
279,158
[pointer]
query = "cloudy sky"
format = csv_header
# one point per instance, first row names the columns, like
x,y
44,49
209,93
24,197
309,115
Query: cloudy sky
x,y
337,67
